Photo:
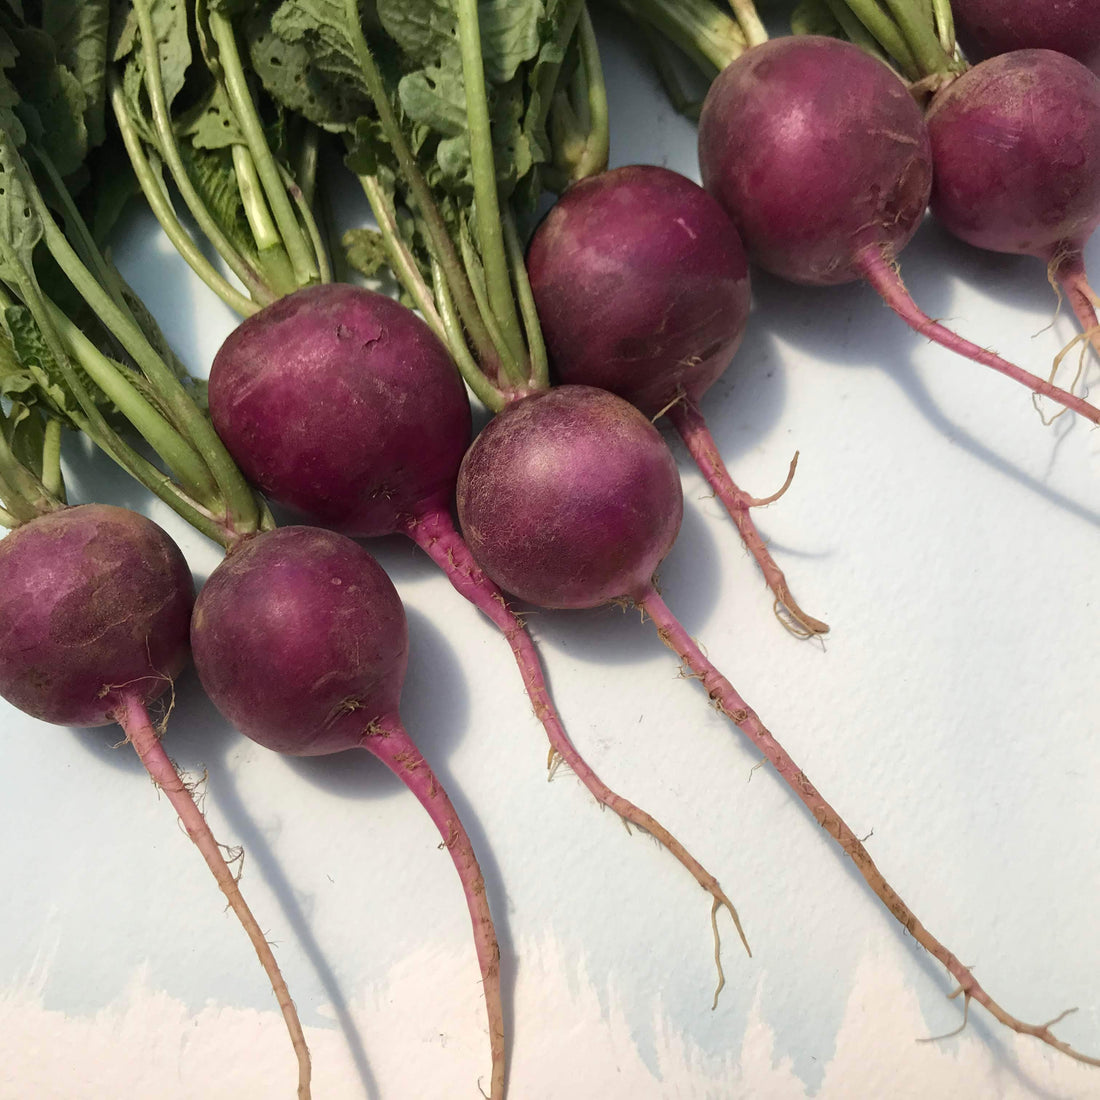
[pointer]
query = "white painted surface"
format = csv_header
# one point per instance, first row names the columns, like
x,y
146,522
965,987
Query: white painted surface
x,y
947,536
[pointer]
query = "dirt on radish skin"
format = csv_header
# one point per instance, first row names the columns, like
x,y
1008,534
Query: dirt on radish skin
x,y
532,490
823,161
300,640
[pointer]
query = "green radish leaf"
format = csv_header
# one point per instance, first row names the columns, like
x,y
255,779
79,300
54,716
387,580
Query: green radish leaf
x,y
79,29
20,227
211,123
25,432
297,78
53,101
173,48
212,173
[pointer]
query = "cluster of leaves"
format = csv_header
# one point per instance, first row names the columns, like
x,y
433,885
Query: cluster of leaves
x,y
305,52
197,109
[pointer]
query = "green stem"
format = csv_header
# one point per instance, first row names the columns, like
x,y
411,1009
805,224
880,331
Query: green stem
x,y
264,231
597,145
887,33
856,32
81,234
483,165
945,25
403,263
548,76
89,420
270,253
540,366
6,518
182,459
162,121
184,414
744,11
313,230
920,34
489,395
51,460
439,240
306,170
236,85
703,31
511,368
152,187
667,73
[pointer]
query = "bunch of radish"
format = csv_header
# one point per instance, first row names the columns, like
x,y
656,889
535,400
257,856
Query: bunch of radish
x,y
339,404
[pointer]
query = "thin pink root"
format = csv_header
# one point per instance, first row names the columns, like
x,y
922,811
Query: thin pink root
x,y
435,534
689,422
387,739
134,719
730,703
1066,268
884,278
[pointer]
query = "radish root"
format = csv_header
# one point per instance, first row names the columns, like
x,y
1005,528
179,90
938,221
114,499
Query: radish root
x,y
689,422
387,739
882,276
435,534
726,698
134,719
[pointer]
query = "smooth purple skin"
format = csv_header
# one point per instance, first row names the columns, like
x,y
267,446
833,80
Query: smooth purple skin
x,y
816,151
1016,145
92,599
986,28
300,640
641,284
570,498
341,404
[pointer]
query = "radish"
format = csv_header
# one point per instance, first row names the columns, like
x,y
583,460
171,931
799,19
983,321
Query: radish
x,y
823,160
989,27
300,640
95,606
570,499
642,289
380,455
1016,145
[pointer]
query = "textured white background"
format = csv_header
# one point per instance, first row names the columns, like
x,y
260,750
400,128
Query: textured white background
x,y
948,537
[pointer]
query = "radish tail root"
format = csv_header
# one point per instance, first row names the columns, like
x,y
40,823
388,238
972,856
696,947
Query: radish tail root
x,y
389,742
727,700
882,276
435,534
1067,270
134,719
689,422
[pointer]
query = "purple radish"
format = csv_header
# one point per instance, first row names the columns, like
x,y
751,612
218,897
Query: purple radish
x,y
823,161
300,640
570,499
95,609
642,289
380,455
986,28
1016,145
